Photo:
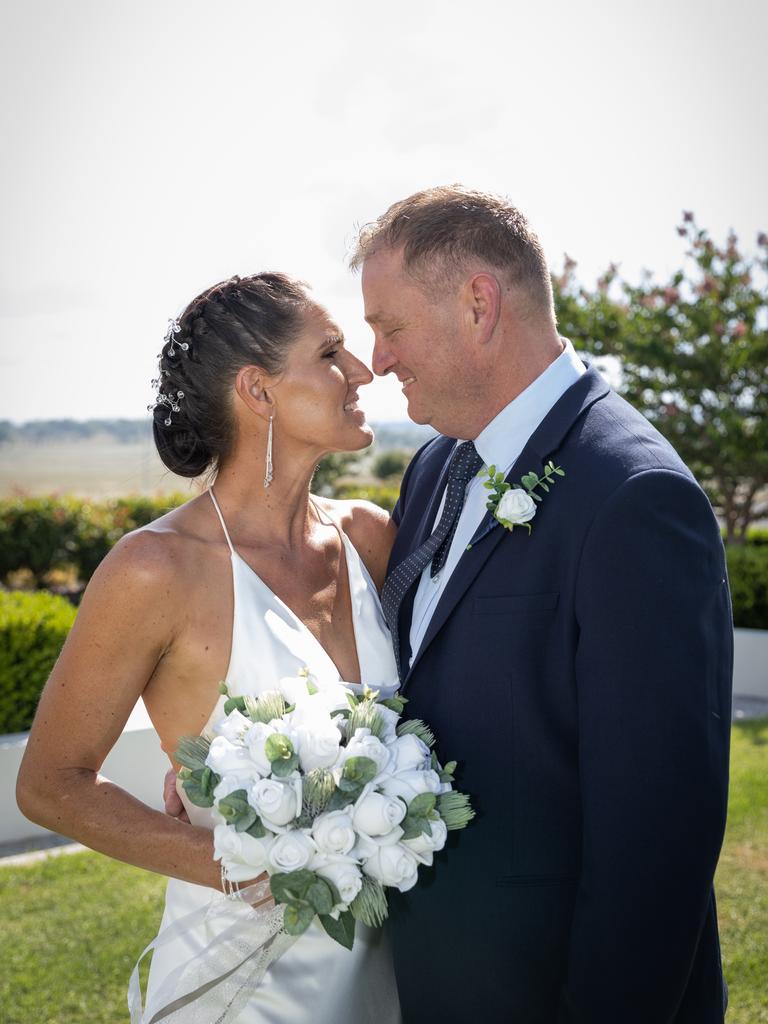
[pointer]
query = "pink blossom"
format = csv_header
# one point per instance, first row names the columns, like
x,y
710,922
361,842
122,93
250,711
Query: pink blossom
x,y
739,330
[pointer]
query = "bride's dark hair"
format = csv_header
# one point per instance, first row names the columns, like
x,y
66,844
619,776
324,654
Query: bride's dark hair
x,y
240,322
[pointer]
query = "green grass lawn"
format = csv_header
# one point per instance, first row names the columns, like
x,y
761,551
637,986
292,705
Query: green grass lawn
x,y
74,925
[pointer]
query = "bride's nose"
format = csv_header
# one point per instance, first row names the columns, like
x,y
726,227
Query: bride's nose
x,y
357,372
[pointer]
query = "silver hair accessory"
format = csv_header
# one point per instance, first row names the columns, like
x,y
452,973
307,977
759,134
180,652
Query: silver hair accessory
x,y
268,473
174,327
169,400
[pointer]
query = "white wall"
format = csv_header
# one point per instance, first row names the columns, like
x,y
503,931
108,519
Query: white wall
x,y
750,667
136,763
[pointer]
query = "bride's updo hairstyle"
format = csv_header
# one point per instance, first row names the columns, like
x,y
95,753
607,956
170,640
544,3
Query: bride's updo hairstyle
x,y
245,321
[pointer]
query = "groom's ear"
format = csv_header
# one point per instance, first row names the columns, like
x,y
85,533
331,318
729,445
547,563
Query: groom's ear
x,y
483,305
251,385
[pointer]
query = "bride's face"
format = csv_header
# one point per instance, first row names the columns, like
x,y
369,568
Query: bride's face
x,y
315,397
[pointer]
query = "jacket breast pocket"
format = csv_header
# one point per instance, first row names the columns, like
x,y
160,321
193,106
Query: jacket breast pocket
x,y
515,604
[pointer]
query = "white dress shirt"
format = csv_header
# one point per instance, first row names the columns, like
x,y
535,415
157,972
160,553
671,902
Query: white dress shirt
x,y
498,444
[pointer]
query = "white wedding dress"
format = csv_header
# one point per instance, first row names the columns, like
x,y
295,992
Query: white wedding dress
x,y
316,980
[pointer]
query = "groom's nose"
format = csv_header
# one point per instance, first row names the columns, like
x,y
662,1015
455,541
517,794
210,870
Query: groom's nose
x,y
382,360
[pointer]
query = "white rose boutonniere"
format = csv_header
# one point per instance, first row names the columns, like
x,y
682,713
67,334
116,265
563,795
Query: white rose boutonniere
x,y
516,505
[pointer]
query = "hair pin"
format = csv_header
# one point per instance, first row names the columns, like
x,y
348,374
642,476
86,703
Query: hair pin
x,y
174,328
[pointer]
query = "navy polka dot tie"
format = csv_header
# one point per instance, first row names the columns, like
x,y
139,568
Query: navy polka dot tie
x,y
465,463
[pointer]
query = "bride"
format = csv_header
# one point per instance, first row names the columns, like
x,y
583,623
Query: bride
x,y
253,580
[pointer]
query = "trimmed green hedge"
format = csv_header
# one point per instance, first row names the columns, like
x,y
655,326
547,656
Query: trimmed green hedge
x,y
379,494
42,534
33,628
748,577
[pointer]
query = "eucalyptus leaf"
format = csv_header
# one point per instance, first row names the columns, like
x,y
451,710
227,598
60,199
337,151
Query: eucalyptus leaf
x,y
291,885
298,917
234,704
360,770
320,896
422,804
283,768
256,829
343,930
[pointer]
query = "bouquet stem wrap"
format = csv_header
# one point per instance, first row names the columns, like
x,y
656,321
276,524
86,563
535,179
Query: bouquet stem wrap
x,y
214,986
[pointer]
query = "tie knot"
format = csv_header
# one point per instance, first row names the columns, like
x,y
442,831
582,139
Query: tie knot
x,y
465,463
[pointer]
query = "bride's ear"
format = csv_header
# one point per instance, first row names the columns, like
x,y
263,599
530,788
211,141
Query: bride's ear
x,y
251,386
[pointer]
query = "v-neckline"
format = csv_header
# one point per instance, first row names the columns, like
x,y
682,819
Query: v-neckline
x,y
235,554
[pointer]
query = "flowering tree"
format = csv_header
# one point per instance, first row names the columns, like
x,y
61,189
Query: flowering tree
x,y
693,357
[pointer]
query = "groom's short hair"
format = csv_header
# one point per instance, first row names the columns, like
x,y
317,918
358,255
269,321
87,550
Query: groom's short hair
x,y
443,230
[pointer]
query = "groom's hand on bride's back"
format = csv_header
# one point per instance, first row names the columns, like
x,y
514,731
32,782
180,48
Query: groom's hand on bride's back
x,y
173,805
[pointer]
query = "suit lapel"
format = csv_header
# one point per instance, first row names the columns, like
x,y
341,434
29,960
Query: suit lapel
x,y
541,445
475,557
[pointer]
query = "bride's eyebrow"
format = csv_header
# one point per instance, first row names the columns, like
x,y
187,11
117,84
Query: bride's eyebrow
x,y
332,339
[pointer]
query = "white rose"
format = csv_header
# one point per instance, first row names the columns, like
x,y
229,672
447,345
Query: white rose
x,y
224,757
234,727
318,746
393,865
276,801
257,736
344,874
293,688
232,781
333,832
410,752
516,506
423,846
291,851
410,784
242,855
363,744
389,719
376,814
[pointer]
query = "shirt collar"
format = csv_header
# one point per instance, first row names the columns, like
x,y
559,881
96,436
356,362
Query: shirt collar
x,y
502,440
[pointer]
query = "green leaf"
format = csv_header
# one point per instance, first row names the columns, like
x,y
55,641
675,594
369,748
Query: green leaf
x,y
298,917
320,896
234,704
422,804
414,825
291,885
359,770
199,786
342,799
343,930
283,768
192,752
256,830
395,703
236,810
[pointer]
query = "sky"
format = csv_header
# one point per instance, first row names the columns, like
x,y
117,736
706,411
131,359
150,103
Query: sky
x,y
154,147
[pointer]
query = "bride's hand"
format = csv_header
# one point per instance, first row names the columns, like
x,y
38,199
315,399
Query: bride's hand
x,y
173,805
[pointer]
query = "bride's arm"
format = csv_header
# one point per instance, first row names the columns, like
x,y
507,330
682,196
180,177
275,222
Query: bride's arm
x,y
127,621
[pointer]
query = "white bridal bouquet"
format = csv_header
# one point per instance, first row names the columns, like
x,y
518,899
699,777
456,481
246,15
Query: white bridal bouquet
x,y
329,793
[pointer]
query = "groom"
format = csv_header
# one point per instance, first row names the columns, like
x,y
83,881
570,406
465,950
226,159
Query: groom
x,y
580,671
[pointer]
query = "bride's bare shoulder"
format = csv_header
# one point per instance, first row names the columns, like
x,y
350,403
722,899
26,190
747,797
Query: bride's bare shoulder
x,y
163,550
369,527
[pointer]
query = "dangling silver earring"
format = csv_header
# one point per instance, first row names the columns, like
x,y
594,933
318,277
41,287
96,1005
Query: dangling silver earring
x,y
268,473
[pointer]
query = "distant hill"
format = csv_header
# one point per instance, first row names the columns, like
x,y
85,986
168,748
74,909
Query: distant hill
x,y
388,435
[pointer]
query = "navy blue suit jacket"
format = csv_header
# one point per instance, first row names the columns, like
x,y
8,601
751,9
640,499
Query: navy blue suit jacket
x,y
581,675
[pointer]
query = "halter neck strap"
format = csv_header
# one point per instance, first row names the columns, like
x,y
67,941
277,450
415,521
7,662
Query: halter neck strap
x,y
221,519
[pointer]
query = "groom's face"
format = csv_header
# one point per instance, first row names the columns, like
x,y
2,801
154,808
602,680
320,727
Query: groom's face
x,y
417,337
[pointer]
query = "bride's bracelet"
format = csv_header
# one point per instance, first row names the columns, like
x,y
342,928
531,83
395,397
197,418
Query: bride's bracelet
x,y
230,889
